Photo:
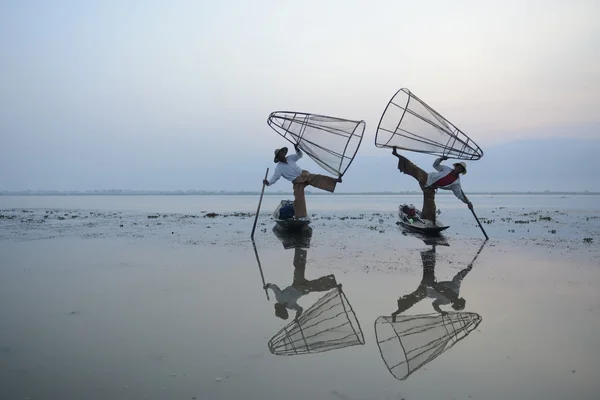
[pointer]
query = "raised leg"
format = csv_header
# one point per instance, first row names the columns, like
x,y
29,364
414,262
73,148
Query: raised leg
x,y
406,166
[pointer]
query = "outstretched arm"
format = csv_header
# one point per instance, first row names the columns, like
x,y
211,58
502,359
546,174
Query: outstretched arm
x,y
274,178
297,156
298,312
461,195
436,163
437,308
274,288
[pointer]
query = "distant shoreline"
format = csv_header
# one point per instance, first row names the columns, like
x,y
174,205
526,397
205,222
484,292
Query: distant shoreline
x,y
225,193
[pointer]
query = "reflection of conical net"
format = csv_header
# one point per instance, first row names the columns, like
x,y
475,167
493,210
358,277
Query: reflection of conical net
x,y
408,123
413,341
328,325
331,142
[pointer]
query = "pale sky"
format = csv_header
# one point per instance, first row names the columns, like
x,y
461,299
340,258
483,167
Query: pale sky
x,y
169,94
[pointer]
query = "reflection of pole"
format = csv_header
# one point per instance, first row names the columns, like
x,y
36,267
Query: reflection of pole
x,y
477,255
260,269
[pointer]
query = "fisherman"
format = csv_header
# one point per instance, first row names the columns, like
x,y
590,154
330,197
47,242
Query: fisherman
x,y
443,293
444,178
287,167
288,297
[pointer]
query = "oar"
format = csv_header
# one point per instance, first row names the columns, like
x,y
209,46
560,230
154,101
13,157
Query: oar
x,y
482,230
260,269
259,201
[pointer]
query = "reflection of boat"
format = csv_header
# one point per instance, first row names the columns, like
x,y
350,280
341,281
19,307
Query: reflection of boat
x,y
410,218
291,239
415,340
429,240
285,219
328,324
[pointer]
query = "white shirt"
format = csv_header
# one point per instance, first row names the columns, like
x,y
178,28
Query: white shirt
x,y
289,171
287,297
453,285
442,171
439,298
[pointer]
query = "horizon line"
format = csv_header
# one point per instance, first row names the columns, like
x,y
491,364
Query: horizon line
x,y
192,192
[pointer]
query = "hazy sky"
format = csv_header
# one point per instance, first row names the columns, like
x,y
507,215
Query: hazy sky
x,y
171,94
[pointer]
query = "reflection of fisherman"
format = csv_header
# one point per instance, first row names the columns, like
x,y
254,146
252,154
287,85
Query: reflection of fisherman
x,y
444,293
286,167
443,178
288,297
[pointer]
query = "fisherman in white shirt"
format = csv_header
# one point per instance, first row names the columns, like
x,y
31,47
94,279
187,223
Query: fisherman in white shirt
x,y
287,299
444,177
288,169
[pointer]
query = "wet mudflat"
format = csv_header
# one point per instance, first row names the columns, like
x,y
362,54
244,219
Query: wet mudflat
x,y
102,304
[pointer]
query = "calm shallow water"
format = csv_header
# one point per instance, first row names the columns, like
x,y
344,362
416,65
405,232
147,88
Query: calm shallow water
x,y
316,203
119,305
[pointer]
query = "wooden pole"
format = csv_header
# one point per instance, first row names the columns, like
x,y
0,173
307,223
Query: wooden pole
x,y
259,202
482,230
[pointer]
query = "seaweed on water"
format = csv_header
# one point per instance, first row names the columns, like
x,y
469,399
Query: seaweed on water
x,y
588,240
241,214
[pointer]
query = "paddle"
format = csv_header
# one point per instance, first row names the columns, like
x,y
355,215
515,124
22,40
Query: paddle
x,y
482,230
259,201
260,269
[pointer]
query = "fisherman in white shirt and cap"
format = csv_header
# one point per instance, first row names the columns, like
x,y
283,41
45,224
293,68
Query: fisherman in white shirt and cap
x,y
289,170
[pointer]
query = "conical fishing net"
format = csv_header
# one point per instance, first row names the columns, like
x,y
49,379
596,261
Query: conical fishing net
x,y
331,142
328,324
408,123
413,341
